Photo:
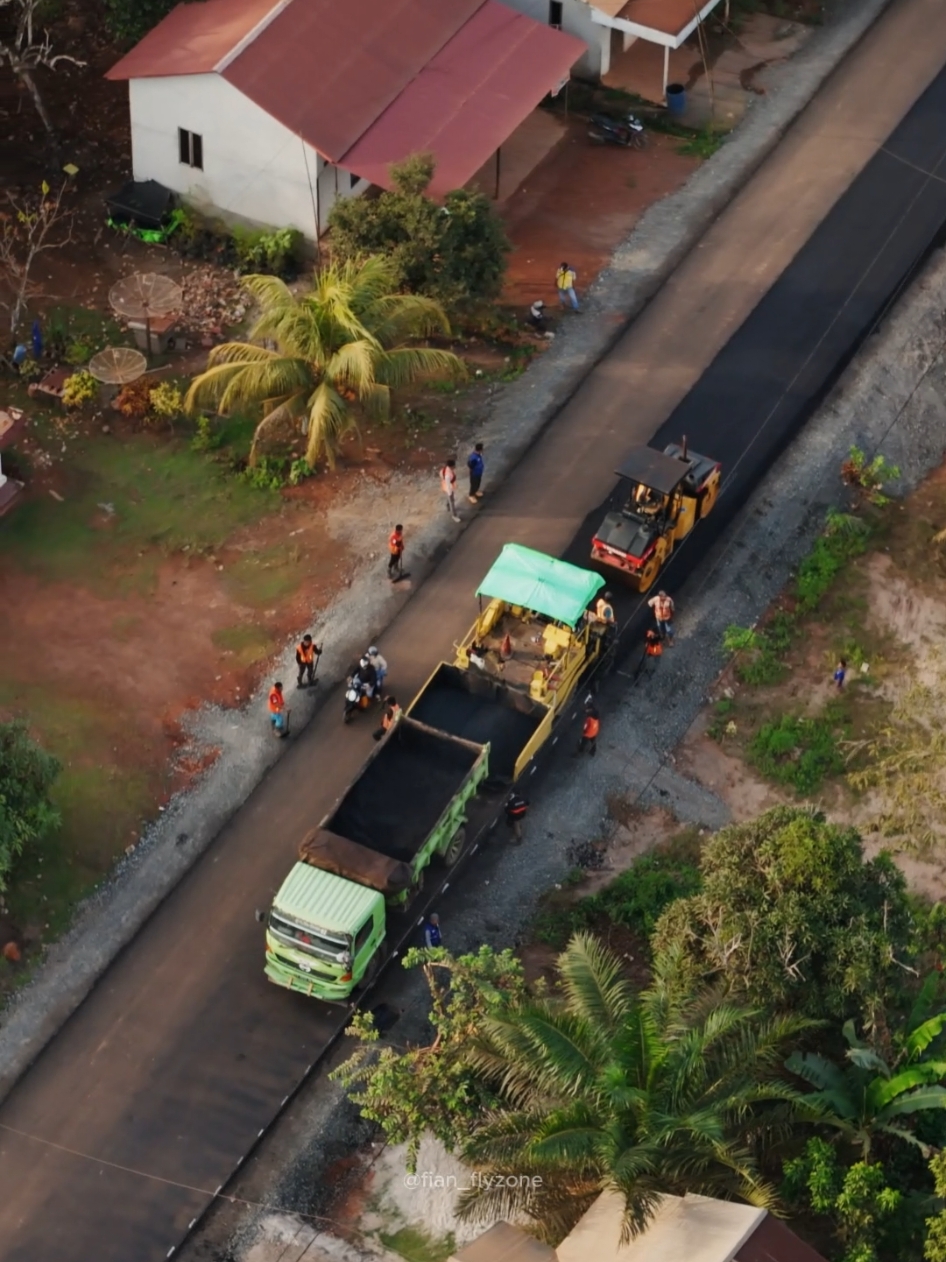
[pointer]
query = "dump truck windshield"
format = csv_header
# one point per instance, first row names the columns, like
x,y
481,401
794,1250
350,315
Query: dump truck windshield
x,y
318,942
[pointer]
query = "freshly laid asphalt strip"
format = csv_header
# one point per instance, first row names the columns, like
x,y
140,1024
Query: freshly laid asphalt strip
x,y
139,1131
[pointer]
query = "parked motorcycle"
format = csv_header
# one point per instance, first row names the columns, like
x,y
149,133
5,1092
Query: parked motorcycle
x,y
627,132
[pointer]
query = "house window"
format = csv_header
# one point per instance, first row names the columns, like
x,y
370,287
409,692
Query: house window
x,y
555,14
352,179
190,148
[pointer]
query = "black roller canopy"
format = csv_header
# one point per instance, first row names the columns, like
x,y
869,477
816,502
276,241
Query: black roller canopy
x,y
143,202
659,472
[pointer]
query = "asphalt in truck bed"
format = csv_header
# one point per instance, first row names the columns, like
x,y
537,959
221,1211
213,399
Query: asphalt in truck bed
x,y
156,1088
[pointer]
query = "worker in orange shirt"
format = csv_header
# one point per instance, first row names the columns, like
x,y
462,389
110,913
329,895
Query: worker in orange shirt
x,y
653,649
389,716
396,550
278,714
589,730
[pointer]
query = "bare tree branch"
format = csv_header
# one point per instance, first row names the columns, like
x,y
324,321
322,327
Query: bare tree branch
x,y
28,227
23,47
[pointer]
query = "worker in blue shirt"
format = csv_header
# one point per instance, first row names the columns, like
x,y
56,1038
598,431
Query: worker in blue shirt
x,y
476,464
432,936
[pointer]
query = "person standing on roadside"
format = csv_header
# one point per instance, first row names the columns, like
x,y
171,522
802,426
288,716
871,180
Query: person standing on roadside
x,y
277,709
663,608
307,654
589,730
565,279
396,552
476,464
840,674
448,484
516,809
432,934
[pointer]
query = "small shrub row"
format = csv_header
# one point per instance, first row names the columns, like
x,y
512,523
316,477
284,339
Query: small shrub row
x,y
276,252
799,752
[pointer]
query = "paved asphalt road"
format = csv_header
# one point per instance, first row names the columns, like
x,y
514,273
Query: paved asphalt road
x,y
182,1053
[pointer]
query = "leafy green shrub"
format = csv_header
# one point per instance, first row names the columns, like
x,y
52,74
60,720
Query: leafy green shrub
x,y
798,751
166,400
27,775
129,20
208,437
455,253
276,252
299,470
869,476
79,352
268,474
79,389
638,897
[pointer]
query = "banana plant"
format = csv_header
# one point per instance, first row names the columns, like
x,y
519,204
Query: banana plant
x,y
868,1097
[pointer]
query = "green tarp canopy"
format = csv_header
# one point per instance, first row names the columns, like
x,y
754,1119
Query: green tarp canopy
x,y
540,583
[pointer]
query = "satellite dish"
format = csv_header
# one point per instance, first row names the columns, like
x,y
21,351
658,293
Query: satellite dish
x,y
117,365
144,296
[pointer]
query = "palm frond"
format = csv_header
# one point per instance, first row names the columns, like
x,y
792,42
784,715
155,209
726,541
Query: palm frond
x,y
409,364
594,983
916,1101
329,420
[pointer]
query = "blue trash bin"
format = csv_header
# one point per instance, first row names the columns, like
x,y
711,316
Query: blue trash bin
x,y
676,98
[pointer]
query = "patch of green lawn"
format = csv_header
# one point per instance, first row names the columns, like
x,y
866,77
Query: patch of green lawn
x,y
247,641
415,1245
165,498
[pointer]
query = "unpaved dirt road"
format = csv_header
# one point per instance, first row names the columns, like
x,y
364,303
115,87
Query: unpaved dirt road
x,y
160,1082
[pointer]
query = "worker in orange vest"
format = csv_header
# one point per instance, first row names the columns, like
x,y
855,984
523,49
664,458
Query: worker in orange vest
x,y
278,714
589,730
653,648
307,655
396,550
390,715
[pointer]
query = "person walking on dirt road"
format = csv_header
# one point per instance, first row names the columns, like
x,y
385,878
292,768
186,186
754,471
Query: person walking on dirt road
x,y
307,655
448,484
565,279
278,714
663,608
476,464
396,552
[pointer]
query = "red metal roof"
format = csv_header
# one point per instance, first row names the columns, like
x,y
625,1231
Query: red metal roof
x,y
773,1241
467,99
327,69
669,17
192,39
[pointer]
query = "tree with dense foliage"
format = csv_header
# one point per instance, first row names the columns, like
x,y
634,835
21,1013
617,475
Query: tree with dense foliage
x,y
867,1097
454,252
309,361
935,1250
865,1211
409,1091
27,775
597,1088
791,915
130,20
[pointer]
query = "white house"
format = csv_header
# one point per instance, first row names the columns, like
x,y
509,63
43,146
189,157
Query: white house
x,y
267,111
610,27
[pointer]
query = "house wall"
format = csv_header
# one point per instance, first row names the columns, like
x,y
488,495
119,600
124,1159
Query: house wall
x,y
255,170
576,20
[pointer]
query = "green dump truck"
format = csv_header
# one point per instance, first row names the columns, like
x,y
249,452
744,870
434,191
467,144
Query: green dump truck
x,y
326,929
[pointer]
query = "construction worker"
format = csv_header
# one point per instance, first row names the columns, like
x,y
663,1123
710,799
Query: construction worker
x,y
432,934
277,709
448,484
602,616
653,648
589,730
516,808
396,550
663,608
389,716
306,654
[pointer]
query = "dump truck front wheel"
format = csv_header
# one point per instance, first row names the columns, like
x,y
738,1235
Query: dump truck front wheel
x,y
708,499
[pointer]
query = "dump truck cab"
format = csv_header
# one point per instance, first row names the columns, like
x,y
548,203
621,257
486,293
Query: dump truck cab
x,y
521,661
667,493
323,933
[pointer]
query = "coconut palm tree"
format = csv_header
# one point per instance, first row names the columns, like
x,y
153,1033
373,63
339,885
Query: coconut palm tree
x,y
318,359
637,1093
867,1097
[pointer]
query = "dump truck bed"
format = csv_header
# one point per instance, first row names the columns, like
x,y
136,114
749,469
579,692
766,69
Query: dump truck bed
x,y
482,709
403,789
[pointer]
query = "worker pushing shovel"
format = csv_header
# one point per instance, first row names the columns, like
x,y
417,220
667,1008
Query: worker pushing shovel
x,y
278,711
